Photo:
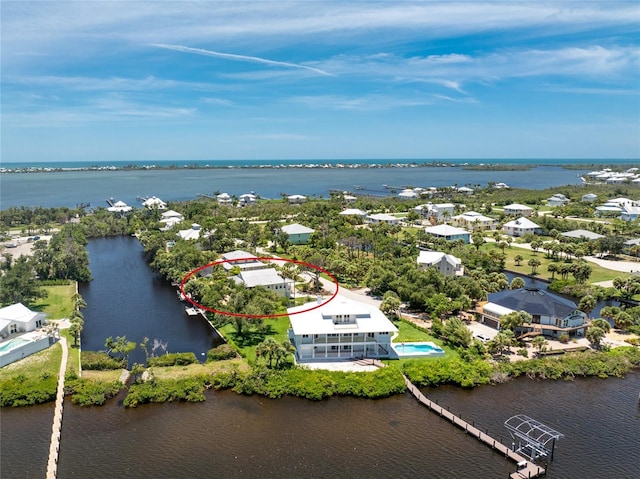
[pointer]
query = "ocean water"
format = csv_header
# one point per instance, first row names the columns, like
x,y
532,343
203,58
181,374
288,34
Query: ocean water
x,y
70,188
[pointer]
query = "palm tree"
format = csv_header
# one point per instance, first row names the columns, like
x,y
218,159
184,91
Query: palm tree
x,y
518,259
587,304
534,263
539,343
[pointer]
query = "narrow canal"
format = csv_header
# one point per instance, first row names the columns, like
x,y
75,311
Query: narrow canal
x,y
127,298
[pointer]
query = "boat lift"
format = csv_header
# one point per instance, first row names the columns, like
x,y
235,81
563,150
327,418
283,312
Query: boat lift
x,y
534,439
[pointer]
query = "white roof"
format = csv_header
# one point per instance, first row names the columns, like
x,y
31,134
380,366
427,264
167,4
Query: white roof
x,y
582,233
472,216
171,214
261,277
521,223
497,309
431,257
408,194
153,201
353,212
368,318
296,229
517,206
191,234
18,313
223,196
250,261
383,217
297,197
445,230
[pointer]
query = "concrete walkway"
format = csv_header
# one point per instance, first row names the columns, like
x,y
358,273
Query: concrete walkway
x,y
52,465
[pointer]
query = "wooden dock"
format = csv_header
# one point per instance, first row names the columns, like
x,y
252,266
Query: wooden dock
x,y
526,469
54,446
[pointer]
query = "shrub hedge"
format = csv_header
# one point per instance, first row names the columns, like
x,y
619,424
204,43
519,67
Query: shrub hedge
x,y
222,352
100,361
172,359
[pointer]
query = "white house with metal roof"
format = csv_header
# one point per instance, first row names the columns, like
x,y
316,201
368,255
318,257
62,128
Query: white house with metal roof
x,y
268,278
521,227
340,329
383,218
517,209
17,318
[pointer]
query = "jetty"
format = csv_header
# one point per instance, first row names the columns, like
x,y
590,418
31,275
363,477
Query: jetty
x,y
526,468
54,446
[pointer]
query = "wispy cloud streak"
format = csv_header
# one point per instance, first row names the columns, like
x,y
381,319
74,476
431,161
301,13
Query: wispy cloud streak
x,y
241,58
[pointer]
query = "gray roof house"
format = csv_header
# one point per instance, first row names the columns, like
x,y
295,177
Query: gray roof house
x,y
551,314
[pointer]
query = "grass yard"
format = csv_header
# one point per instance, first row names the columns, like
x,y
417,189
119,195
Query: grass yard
x,y
178,372
73,361
58,302
598,273
273,327
102,376
34,366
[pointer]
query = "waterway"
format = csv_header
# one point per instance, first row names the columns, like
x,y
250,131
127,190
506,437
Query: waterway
x,y
126,298
252,437
53,189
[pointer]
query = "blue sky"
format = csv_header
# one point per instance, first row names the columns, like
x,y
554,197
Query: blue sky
x,y
152,81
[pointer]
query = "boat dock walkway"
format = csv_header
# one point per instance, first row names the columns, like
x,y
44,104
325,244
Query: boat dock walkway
x,y
526,469
54,446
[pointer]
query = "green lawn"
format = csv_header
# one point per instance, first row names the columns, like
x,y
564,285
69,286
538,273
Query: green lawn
x,y
34,366
273,327
598,273
58,302
73,361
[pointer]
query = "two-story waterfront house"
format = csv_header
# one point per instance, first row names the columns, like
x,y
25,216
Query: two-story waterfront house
x,y
340,329
551,315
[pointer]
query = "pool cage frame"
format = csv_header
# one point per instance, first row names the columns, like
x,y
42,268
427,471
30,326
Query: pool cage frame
x,y
534,439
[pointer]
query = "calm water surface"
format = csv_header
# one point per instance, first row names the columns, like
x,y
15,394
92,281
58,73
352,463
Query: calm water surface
x,y
95,187
127,298
231,436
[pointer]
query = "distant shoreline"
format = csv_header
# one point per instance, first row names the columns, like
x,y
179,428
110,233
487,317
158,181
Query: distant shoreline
x,y
478,165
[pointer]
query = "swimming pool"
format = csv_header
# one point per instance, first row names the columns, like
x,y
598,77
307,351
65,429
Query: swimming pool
x,y
6,346
417,350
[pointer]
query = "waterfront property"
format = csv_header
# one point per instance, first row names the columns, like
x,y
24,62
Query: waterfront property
x,y
119,207
296,199
521,227
17,318
340,329
551,314
447,264
154,203
450,233
20,337
224,199
191,234
298,234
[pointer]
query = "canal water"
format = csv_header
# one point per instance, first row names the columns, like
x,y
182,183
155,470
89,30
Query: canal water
x,y
127,298
230,436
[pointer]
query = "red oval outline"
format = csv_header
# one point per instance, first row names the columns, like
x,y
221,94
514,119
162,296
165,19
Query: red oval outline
x,y
227,313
